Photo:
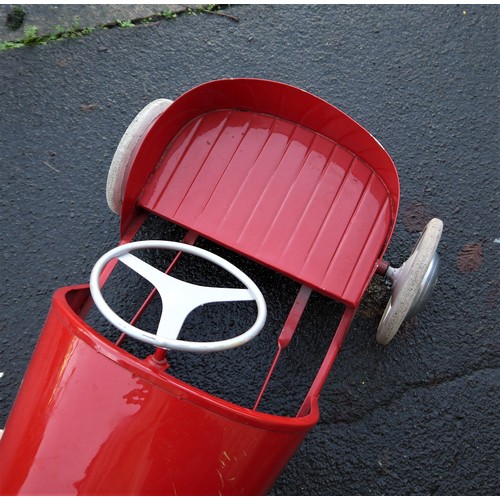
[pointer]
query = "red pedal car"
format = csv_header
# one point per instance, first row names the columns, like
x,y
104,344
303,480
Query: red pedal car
x,y
266,172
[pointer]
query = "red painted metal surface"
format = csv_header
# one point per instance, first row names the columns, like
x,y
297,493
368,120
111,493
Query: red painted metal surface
x,y
265,169
275,173
279,193
91,419
257,96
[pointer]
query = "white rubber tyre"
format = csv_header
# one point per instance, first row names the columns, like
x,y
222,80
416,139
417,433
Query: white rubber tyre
x,y
408,282
120,165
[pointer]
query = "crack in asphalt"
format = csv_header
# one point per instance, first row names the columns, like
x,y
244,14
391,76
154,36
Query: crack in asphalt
x,y
428,384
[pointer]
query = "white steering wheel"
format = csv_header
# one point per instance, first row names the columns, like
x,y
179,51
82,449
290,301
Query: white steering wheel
x,y
178,297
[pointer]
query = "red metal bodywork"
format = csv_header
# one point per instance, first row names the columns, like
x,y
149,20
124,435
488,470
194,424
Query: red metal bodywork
x,y
275,173
264,169
91,419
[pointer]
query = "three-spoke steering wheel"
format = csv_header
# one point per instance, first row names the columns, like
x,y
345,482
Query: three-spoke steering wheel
x,y
179,298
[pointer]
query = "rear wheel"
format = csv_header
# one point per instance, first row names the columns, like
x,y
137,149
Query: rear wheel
x,y
413,282
120,165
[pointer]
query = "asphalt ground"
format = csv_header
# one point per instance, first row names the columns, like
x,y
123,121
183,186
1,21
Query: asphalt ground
x,y
50,18
419,416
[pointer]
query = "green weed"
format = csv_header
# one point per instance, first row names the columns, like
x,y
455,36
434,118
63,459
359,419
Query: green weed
x,y
125,24
32,37
168,14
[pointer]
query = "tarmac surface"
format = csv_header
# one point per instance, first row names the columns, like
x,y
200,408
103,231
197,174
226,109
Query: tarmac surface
x,y
47,17
419,416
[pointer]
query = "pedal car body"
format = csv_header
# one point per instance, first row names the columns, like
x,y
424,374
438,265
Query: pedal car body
x,y
271,173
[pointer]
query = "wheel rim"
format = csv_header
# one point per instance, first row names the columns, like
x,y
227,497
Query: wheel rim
x,y
426,288
414,282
